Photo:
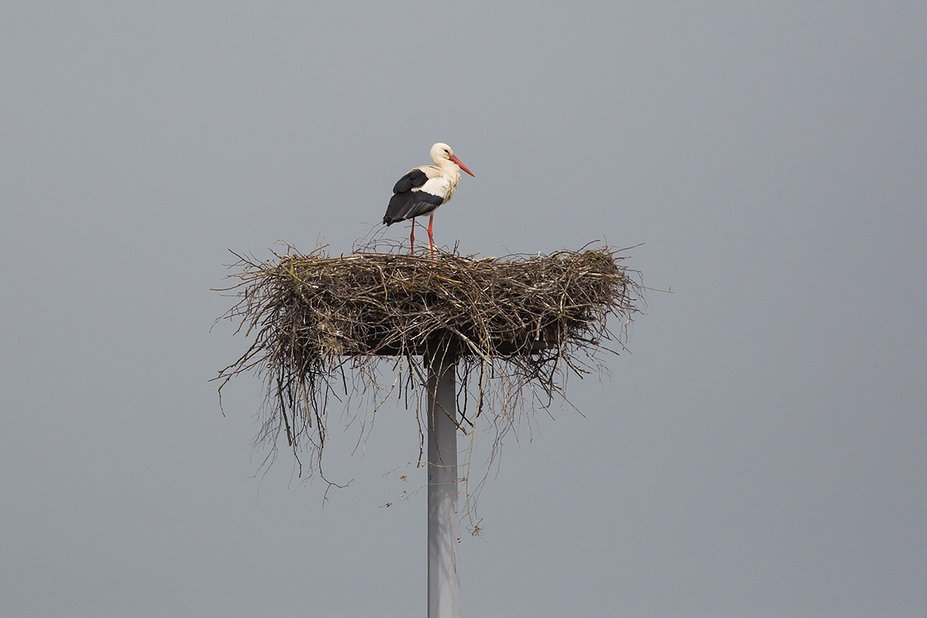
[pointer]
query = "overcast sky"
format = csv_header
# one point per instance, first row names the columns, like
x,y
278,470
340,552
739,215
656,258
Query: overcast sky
x,y
760,452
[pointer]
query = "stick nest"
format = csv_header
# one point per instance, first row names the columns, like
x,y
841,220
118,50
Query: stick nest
x,y
524,320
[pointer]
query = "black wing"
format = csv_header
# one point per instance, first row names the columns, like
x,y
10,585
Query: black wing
x,y
407,203
410,204
414,179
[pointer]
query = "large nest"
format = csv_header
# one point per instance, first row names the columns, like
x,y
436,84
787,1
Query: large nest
x,y
321,324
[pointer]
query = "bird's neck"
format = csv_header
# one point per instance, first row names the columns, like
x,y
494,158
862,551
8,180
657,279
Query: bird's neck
x,y
448,167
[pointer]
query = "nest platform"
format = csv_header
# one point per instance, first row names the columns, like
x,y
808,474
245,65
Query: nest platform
x,y
310,314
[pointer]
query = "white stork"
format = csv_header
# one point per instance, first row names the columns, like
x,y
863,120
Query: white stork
x,y
424,189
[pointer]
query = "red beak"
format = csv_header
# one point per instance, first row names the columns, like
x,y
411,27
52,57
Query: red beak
x,y
461,165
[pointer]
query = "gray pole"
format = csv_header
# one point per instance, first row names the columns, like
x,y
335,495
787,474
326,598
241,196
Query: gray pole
x,y
443,520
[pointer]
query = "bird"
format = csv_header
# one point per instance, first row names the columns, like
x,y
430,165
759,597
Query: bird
x,y
424,189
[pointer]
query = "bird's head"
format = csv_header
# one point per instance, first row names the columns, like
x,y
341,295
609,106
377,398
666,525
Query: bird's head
x,y
443,152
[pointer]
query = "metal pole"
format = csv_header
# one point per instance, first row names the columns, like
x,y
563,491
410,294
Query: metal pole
x,y
443,521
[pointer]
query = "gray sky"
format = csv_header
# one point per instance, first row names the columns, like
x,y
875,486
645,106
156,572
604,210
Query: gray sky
x,y
759,453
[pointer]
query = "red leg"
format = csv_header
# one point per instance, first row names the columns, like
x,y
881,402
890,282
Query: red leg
x,y
431,238
412,238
